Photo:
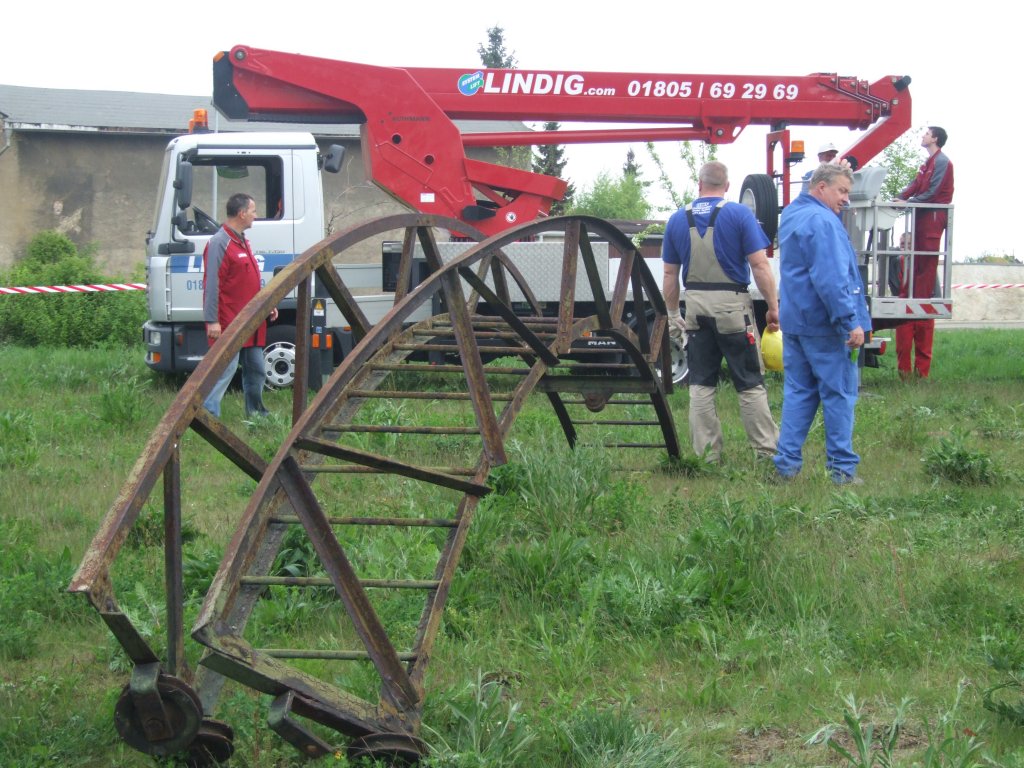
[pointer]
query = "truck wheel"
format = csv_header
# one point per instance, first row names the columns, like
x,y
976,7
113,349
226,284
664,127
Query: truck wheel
x,y
279,358
680,366
758,193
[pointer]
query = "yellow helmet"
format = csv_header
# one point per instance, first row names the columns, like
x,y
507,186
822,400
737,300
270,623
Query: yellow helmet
x,y
771,349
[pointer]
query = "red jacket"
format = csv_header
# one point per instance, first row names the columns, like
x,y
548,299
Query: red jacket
x,y
232,278
933,184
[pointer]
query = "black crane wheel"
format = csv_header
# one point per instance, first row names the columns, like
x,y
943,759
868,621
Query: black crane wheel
x,y
759,194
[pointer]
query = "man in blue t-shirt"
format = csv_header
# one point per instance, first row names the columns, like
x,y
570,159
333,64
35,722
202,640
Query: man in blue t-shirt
x,y
715,246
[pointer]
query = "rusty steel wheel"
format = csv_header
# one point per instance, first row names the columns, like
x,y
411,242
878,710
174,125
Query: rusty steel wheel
x,y
214,744
399,748
183,711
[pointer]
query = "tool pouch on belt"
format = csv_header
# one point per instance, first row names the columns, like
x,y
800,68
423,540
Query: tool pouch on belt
x,y
733,311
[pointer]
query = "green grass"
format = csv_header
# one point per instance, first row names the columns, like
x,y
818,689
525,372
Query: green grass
x,y
608,611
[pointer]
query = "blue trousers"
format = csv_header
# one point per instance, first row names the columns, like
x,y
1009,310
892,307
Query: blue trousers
x,y
818,371
254,376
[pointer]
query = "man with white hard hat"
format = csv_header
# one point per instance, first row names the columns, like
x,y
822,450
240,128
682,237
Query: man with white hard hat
x,y
826,154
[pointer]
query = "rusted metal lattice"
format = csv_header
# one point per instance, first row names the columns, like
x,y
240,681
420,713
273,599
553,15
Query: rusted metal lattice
x,y
489,364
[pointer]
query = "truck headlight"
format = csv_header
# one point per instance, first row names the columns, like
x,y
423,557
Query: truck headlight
x,y
154,338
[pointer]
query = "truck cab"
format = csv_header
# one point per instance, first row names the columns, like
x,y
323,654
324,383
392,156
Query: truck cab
x,y
200,172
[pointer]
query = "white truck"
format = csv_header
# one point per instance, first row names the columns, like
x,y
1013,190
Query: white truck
x,y
282,172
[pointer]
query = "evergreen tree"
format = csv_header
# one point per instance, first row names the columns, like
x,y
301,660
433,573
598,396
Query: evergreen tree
x,y
630,167
550,159
494,55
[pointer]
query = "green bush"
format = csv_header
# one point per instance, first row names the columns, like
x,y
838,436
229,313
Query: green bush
x,y
71,319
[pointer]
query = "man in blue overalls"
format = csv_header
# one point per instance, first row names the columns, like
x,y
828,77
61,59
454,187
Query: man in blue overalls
x,y
824,317
717,246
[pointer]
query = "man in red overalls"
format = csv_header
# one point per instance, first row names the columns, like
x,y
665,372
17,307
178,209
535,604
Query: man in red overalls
x,y
933,184
232,278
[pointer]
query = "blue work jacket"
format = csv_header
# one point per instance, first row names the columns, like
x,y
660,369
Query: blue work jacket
x,y
820,288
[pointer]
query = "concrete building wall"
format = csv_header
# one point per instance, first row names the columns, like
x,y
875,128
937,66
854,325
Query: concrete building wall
x,y
973,304
97,189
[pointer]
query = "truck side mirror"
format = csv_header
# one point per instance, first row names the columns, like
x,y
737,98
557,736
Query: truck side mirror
x,y
334,158
183,185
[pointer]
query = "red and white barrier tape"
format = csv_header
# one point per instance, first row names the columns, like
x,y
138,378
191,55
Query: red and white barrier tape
x,y
970,286
74,288
101,288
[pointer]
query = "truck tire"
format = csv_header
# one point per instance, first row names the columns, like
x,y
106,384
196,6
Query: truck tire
x,y
680,367
680,364
758,193
279,358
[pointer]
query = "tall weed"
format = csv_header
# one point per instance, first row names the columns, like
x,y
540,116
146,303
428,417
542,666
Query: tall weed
x,y
730,548
561,490
550,570
954,461
950,743
614,738
124,401
480,727
18,442
859,748
32,596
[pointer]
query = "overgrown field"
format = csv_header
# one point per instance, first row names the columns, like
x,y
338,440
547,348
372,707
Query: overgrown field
x,y
609,610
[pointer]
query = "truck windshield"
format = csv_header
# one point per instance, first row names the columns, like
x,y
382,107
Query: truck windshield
x,y
164,190
215,179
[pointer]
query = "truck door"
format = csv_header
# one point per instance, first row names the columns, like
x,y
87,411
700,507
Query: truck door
x,y
218,173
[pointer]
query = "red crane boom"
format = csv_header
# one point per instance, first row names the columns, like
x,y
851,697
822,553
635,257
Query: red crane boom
x,y
414,151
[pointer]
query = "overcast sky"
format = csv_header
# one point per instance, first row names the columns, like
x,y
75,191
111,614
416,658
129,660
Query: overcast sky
x,y
962,60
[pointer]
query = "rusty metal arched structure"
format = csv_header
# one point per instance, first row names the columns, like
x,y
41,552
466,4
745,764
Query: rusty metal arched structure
x,y
490,362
